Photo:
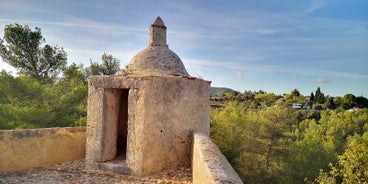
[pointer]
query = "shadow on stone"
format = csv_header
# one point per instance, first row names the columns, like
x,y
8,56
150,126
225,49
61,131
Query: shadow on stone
x,y
118,166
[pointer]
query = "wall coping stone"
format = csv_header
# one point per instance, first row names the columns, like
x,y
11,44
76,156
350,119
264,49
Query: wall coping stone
x,y
208,159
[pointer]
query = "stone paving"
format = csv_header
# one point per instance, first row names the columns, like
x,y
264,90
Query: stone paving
x,y
74,173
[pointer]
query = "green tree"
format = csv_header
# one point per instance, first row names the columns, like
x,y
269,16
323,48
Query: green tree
x,y
229,122
361,102
275,123
319,96
28,103
352,165
235,133
22,49
306,153
93,69
348,101
75,72
227,96
267,99
330,103
27,106
338,102
311,98
110,65
295,93
248,95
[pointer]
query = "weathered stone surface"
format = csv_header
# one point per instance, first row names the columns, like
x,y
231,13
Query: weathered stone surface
x,y
94,125
162,113
164,106
25,149
158,59
157,56
170,109
209,164
158,33
130,81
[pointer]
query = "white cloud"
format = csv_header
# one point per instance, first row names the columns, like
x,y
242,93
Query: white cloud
x,y
322,80
239,74
275,69
83,23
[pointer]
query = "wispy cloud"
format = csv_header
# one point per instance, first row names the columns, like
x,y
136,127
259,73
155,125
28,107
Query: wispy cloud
x,y
316,4
322,80
20,7
305,71
80,23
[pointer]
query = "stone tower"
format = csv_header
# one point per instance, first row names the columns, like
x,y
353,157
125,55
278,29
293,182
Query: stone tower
x,y
141,122
157,57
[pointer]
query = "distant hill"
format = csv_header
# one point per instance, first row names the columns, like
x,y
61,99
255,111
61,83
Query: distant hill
x,y
218,91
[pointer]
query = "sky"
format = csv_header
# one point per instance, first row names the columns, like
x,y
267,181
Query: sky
x,y
271,45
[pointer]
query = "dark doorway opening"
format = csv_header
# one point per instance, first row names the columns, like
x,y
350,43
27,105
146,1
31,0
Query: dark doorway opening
x,y
122,131
116,131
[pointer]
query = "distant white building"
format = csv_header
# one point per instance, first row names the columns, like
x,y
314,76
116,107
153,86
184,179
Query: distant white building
x,y
300,106
296,106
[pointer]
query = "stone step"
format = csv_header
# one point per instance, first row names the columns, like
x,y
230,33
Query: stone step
x,y
117,166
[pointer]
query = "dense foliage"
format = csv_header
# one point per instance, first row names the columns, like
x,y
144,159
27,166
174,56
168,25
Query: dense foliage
x,y
46,92
267,141
109,66
26,103
23,49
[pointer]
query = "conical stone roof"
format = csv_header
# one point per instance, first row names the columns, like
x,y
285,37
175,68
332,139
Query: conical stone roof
x,y
157,57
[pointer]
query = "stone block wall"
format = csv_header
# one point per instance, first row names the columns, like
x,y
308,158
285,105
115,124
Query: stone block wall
x,y
25,149
209,165
172,108
162,113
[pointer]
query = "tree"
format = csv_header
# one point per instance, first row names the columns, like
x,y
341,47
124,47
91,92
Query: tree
x,y
311,98
306,152
330,103
361,101
295,93
275,122
348,101
351,166
266,98
337,101
93,69
248,95
110,65
75,73
22,49
319,96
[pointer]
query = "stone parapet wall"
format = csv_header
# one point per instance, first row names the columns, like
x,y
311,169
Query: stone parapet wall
x,y
209,165
25,149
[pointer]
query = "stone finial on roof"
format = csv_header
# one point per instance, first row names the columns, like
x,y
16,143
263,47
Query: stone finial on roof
x,y
158,33
157,57
159,23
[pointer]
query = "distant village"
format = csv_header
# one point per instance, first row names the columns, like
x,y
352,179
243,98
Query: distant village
x,y
220,96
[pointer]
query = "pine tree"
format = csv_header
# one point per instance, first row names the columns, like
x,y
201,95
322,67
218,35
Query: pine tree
x,y
319,97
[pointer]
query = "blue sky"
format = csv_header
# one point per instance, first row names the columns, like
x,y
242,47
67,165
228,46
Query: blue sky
x,y
272,45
